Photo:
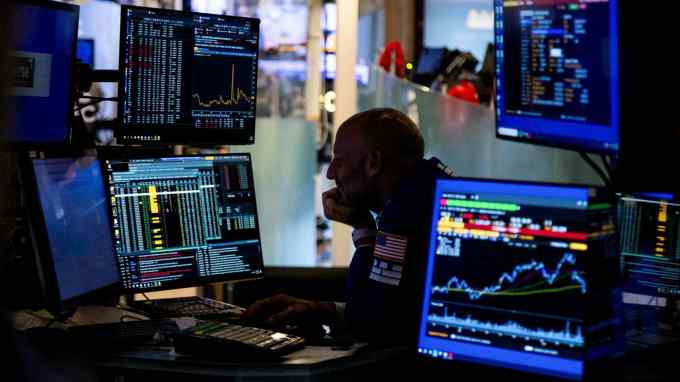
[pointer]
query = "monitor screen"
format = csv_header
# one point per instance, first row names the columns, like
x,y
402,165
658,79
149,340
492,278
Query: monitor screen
x,y
430,60
557,73
41,57
74,210
649,226
187,77
506,282
184,221
85,51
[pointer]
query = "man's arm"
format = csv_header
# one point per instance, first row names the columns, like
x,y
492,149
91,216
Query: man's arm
x,y
283,309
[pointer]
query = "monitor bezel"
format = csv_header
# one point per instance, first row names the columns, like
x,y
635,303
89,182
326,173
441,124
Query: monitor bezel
x,y
163,134
567,143
46,270
22,145
131,155
429,361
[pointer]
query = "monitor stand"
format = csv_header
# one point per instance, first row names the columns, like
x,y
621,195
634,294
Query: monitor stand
x,y
654,327
185,306
670,314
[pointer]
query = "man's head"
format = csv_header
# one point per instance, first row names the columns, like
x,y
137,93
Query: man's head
x,y
372,149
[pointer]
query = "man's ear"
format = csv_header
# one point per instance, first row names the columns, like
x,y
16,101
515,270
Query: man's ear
x,y
374,163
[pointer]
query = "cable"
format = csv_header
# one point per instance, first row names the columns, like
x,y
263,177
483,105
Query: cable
x,y
607,165
131,309
132,318
598,170
146,297
99,98
654,299
95,101
81,106
84,105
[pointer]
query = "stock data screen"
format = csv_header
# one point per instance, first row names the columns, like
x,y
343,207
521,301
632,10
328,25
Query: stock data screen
x,y
507,281
187,77
650,244
184,221
557,73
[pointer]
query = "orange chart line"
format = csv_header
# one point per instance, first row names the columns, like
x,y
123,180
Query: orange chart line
x,y
235,96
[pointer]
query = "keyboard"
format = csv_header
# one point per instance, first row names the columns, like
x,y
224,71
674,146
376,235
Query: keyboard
x,y
125,333
229,341
198,307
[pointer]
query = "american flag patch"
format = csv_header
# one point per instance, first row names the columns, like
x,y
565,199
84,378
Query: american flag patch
x,y
390,247
385,272
388,257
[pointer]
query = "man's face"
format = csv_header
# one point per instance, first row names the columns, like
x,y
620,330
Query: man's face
x,y
348,168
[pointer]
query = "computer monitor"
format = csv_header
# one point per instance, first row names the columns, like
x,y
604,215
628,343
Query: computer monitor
x,y
41,58
513,273
557,79
430,60
187,77
649,226
85,51
71,229
184,221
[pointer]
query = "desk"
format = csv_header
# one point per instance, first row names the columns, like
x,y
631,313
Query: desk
x,y
313,363
316,363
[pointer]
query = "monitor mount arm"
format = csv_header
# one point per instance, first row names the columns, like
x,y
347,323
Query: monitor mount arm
x,y
85,76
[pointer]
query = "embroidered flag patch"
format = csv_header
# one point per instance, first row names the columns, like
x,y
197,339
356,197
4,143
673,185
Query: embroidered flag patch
x,y
388,255
390,247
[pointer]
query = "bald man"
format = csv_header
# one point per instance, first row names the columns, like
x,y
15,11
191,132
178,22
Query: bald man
x,y
379,170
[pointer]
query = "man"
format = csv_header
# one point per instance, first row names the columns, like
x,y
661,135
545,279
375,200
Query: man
x,y
378,168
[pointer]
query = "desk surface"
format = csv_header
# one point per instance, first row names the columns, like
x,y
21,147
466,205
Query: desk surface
x,y
311,361
324,363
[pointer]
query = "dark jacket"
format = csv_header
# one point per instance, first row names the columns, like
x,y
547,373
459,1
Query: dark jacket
x,y
385,282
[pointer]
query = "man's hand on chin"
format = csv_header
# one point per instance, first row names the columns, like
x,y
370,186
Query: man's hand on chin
x,y
337,211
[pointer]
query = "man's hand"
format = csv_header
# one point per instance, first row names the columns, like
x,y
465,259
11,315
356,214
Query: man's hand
x,y
335,210
283,309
